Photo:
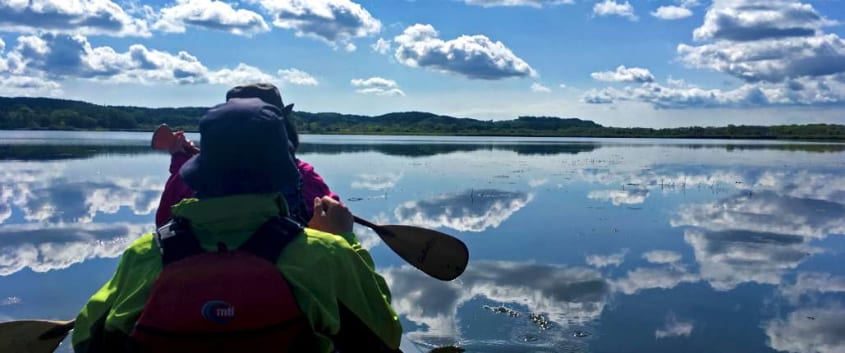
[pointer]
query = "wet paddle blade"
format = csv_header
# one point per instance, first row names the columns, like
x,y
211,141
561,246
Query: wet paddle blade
x,y
25,335
440,255
163,138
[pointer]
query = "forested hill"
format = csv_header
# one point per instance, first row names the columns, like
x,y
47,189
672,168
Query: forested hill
x,y
48,113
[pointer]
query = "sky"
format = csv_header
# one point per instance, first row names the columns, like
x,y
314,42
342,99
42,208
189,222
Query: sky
x,y
650,63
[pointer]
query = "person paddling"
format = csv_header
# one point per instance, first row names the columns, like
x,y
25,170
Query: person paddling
x,y
300,196
232,272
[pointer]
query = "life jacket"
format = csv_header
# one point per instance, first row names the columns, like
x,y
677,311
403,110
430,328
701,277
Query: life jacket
x,y
225,301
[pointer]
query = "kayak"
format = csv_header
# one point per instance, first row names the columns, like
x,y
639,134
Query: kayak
x,y
407,346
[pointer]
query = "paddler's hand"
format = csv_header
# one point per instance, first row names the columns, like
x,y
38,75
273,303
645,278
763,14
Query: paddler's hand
x,y
331,216
183,145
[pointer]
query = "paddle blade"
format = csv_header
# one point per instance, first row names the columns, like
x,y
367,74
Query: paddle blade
x,y
440,255
163,138
24,336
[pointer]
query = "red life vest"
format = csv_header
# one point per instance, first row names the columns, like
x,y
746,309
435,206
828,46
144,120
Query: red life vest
x,y
224,301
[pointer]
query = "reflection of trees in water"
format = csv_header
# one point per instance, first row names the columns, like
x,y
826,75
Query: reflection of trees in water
x,y
43,248
432,149
57,152
566,295
468,211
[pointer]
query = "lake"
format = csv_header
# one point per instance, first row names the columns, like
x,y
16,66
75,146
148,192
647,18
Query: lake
x,y
576,245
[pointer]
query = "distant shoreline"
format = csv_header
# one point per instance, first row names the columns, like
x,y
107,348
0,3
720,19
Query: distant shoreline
x,y
48,114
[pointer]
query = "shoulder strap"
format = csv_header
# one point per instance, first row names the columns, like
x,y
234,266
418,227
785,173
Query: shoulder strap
x,y
177,241
271,238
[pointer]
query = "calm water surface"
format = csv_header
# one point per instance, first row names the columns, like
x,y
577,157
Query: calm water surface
x,y
577,245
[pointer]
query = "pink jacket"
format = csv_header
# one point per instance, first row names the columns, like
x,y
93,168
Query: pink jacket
x,y
175,189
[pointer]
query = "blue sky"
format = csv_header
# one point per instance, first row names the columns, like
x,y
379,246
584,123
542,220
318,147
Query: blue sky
x,y
650,63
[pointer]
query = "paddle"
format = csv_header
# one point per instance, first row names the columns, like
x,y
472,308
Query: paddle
x,y
439,255
34,336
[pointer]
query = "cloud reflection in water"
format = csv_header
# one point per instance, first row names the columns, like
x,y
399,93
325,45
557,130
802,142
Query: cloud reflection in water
x,y
468,211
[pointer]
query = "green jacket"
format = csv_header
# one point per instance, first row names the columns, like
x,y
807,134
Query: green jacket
x,y
328,274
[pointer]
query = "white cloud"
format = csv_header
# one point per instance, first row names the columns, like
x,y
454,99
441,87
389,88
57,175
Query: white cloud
x,y
531,3
471,211
751,20
297,77
29,86
824,333
624,74
562,85
86,17
537,87
612,8
671,13
674,328
335,22
377,86
475,56
770,60
210,14
57,57
662,257
381,46
601,261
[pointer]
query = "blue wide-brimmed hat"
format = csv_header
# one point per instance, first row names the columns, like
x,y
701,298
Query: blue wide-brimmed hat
x,y
245,150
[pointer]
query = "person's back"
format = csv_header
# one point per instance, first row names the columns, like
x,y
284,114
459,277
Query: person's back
x,y
344,302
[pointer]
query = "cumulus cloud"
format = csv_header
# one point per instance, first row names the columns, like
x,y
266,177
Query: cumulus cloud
x,y
825,333
674,328
469,211
86,17
210,14
798,91
49,58
569,296
624,74
613,8
750,20
336,22
381,46
770,60
778,48
43,248
531,3
475,57
378,86
662,257
297,77
537,87
671,12
29,86
602,261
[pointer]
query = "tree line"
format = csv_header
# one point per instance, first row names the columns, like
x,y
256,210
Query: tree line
x,y
59,114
